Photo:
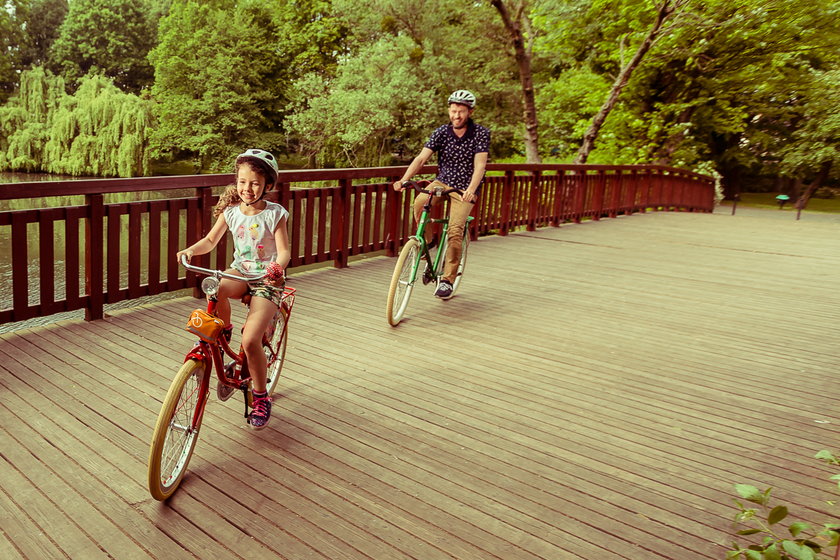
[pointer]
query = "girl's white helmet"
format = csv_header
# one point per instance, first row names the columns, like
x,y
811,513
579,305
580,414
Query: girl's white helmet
x,y
463,97
265,157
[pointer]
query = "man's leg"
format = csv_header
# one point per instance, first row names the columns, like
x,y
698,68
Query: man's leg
x,y
419,202
458,213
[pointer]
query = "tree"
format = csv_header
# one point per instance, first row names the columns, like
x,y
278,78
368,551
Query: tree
x,y
407,57
344,121
42,20
663,12
27,29
111,37
224,71
10,39
724,90
100,130
518,26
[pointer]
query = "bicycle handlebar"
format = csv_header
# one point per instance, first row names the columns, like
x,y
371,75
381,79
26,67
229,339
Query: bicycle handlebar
x,y
437,191
218,273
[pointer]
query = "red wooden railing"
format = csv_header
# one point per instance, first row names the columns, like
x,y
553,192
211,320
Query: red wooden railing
x,y
116,251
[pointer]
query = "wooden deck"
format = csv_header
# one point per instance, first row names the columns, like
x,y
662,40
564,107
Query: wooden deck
x,y
594,392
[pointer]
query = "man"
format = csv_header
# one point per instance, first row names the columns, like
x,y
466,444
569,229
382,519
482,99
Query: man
x,y
462,147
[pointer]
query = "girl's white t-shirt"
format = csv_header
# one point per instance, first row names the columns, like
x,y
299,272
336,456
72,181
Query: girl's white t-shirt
x,y
253,237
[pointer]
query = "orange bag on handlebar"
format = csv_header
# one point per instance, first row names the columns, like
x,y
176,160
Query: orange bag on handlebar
x,y
206,326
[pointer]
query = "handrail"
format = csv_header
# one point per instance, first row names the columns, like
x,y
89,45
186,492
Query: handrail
x,y
107,252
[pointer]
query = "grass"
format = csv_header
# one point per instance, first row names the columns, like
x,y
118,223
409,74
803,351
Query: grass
x,y
768,200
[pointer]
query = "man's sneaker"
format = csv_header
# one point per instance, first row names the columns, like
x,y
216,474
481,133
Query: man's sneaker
x,y
261,414
444,289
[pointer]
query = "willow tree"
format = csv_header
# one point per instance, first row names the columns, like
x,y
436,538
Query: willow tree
x,y
100,130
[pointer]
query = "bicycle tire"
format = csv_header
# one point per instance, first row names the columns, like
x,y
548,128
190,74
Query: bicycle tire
x,y
399,292
275,348
174,440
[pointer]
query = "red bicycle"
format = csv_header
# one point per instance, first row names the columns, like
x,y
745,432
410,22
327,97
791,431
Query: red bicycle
x,y
179,421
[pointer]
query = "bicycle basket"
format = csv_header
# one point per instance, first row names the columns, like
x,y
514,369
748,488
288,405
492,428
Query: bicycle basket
x,y
206,326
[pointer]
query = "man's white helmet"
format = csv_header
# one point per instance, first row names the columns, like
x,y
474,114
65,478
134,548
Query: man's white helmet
x,y
463,97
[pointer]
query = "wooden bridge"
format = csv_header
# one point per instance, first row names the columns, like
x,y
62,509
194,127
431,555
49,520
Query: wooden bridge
x,y
594,391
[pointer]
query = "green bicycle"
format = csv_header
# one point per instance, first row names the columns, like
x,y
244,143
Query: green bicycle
x,y
416,251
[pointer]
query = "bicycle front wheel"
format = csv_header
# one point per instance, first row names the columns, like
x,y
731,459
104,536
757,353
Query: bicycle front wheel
x,y
176,431
275,348
402,281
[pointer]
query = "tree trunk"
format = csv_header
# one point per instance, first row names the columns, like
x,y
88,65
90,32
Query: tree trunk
x,y
731,182
523,62
662,13
802,201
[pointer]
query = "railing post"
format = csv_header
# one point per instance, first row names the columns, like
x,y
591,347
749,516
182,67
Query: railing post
x,y
341,220
598,195
507,196
94,257
579,186
615,182
534,201
393,218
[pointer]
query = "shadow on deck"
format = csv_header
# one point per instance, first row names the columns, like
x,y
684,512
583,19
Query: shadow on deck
x,y
593,392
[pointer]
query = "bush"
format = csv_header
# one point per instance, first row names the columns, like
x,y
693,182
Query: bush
x,y
825,192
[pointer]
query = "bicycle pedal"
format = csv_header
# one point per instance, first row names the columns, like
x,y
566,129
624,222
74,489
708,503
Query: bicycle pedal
x,y
428,276
223,392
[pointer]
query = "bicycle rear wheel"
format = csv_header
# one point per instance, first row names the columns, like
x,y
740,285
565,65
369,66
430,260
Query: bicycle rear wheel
x,y
176,431
275,348
402,282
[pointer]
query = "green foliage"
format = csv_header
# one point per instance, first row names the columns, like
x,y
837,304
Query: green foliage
x,y
350,123
388,91
223,71
109,37
733,82
744,88
99,130
42,20
10,39
27,30
801,542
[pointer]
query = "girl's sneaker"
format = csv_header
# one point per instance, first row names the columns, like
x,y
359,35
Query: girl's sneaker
x,y
261,413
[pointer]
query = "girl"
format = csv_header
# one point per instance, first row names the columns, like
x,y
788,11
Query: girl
x,y
261,244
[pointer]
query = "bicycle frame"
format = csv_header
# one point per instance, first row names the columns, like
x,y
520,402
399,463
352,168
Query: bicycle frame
x,y
211,354
425,220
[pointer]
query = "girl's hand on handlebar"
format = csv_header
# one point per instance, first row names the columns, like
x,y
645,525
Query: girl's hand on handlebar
x,y
398,185
185,253
274,274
